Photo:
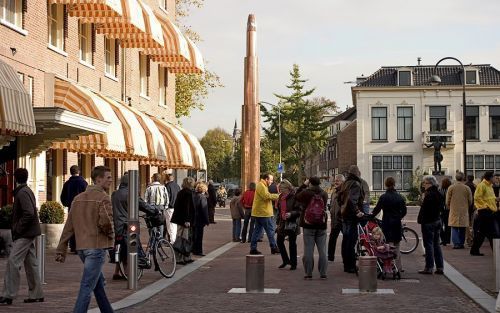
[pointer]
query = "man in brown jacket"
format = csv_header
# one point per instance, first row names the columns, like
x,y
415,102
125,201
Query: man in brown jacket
x,y
458,199
91,222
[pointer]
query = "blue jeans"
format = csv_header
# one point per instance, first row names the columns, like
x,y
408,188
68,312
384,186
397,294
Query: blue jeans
x,y
433,253
246,221
236,228
92,280
458,236
263,223
349,239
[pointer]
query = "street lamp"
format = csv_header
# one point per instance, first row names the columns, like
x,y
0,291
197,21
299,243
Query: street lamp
x,y
279,129
435,79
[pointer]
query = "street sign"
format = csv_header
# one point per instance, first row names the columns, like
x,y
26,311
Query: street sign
x,y
281,168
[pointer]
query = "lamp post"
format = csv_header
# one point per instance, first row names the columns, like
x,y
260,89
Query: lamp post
x,y
279,129
435,79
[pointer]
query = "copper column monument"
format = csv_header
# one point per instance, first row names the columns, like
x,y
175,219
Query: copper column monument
x,y
250,137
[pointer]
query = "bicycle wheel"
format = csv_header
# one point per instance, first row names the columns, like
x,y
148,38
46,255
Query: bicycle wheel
x,y
409,241
124,273
164,258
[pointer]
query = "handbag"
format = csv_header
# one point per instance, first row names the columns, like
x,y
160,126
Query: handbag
x,y
183,243
291,225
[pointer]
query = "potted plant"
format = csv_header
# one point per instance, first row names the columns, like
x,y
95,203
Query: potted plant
x,y
52,218
5,232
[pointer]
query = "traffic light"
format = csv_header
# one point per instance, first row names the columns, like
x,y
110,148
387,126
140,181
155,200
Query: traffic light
x,y
133,234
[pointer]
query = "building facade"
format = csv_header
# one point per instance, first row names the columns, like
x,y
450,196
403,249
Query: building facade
x,y
100,81
400,114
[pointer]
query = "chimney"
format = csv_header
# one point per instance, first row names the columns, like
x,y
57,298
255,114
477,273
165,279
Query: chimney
x,y
419,59
360,79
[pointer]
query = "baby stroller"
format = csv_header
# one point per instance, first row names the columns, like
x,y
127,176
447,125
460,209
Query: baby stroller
x,y
369,245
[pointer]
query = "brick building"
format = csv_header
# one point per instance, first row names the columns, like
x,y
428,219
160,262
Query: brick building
x,y
99,88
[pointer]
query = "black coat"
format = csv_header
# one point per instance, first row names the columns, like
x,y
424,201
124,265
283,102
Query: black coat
x,y
394,207
200,209
351,198
292,207
172,190
25,222
183,208
212,196
74,186
432,206
304,196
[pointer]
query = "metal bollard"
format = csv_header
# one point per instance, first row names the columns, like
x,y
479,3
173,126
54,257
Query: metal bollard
x,y
133,222
367,274
496,262
255,273
40,255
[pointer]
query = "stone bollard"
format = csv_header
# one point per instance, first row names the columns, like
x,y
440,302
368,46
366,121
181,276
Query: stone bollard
x,y
255,273
496,262
40,255
367,274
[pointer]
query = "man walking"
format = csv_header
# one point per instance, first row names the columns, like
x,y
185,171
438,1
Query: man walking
x,y
71,188
212,201
25,227
458,198
247,202
157,196
262,211
91,221
336,218
172,189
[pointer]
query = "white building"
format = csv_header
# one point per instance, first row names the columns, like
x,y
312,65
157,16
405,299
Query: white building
x,y
399,111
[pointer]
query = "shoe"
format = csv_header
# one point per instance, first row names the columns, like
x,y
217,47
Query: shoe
x,y
293,267
308,277
243,241
323,277
260,240
115,277
189,261
439,272
283,265
476,254
255,252
350,270
275,250
7,301
425,271
38,299
199,254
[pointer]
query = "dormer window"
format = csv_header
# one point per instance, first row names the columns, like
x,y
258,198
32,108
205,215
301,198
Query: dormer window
x,y
404,78
471,77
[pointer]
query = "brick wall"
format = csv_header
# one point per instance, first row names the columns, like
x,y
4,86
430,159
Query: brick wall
x,y
347,147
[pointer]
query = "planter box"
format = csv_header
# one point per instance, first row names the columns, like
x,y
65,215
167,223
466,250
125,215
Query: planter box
x,y
52,234
5,242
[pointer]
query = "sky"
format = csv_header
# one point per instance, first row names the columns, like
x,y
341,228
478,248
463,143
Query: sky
x,y
333,42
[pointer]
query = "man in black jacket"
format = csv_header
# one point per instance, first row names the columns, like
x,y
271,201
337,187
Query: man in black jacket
x,y
212,202
25,227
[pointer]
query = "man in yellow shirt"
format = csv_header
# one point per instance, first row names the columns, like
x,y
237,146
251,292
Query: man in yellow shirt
x,y
262,211
485,202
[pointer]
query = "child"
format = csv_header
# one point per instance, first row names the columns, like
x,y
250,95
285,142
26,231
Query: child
x,y
237,213
382,250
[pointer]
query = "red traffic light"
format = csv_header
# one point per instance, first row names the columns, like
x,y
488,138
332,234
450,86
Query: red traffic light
x,y
133,228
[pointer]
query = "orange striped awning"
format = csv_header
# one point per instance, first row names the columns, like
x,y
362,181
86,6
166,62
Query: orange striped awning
x,y
176,49
92,8
195,65
130,21
197,151
16,111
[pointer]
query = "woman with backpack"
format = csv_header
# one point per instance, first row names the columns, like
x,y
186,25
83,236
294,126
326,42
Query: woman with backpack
x,y
313,219
287,220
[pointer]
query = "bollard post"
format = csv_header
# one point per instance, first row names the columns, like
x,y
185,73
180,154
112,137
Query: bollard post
x,y
496,262
40,255
255,273
133,228
367,274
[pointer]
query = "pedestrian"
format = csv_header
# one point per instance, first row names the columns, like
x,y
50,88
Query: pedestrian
x,y
288,224
71,188
119,201
393,206
201,220
273,188
429,217
237,213
350,200
91,221
446,230
459,199
212,201
486,204
313,219
25,228
172,189
335,217
222,196
262,210
156,195
469,231
247,202
184,218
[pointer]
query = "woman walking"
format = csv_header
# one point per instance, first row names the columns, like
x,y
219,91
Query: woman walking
x,y
183,216
430,221
200,217
394,207
288,214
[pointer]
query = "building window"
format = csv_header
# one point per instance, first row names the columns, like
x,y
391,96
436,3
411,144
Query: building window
x,y
85,41
494,122
163,84
400,167
110,56
405,123
379,123
164,4
144,73
478,164
404,78
438,118
472,122
31,88
56,25
11,11
471,77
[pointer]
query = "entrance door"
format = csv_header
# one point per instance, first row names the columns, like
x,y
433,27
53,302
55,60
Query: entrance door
x,y
7,166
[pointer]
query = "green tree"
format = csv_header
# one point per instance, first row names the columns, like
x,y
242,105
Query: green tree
x,y
303,128
218,145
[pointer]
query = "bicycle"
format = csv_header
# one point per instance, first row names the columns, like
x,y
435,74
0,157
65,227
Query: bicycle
x,y
161,250
409,240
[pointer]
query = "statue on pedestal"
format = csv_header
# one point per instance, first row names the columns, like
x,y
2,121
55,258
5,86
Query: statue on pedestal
x,y
438,157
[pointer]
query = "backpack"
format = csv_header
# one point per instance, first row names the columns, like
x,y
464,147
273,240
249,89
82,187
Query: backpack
x,y
315,212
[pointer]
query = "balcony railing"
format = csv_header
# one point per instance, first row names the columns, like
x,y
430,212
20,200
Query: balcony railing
x,y
447,137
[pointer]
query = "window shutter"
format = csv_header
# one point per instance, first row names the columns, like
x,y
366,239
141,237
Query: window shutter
x,y
65,17
117,51
165,77
92,30
148,67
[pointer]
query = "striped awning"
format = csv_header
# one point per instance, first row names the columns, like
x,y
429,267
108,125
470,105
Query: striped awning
x,y
16,111
195,64
197,151
130,21
92,8
176,49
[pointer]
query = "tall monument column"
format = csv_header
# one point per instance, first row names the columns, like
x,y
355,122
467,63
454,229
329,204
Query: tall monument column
x,y
250,137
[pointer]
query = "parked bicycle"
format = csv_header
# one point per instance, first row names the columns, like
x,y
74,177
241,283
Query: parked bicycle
x,y
409,240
